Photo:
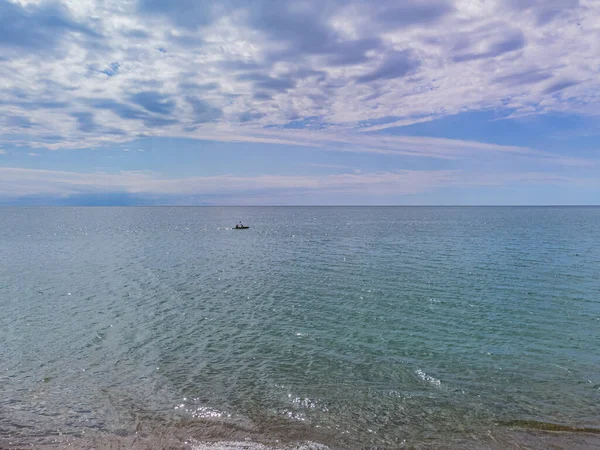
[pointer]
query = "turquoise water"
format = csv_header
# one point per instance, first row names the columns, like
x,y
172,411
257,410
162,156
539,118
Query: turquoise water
x,y
352,327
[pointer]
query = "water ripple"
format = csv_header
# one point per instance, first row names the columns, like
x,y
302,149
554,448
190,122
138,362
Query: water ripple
x,y
354,327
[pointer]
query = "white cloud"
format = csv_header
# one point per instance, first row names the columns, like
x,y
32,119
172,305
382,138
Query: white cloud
x,y
46,182
246,68
328,166
347,141
57,184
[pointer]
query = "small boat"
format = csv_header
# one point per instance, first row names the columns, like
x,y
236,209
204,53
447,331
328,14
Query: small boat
x,y
237,227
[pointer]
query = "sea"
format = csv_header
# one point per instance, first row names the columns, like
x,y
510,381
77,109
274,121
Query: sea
x,y
317,327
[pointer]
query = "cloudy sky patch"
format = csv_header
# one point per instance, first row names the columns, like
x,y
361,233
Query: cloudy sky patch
x,y
458,86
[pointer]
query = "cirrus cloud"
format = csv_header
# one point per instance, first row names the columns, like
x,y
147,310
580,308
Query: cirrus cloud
x,y
150,188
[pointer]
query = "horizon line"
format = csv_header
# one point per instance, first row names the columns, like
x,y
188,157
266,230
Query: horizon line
x,y
307,206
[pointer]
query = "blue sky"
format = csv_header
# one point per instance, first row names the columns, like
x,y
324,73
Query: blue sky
x,y
196,102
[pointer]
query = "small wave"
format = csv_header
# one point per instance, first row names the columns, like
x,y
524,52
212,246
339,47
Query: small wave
x,y
308,403
255,446
423,376
294,415
202,412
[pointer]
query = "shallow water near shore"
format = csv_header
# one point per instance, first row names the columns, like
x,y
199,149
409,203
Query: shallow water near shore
x,y
418,327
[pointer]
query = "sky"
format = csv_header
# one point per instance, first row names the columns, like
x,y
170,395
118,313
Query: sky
x,y
299,102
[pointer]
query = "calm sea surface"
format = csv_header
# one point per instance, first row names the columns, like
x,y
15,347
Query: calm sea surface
x,y
350,327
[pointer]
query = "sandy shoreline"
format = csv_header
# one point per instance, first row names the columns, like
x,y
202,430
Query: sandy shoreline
x,y
508,438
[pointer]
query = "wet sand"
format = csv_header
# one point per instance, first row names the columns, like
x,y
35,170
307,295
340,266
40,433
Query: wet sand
x,y
534,437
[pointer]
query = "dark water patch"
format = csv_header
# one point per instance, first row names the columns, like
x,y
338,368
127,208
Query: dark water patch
x,y
547,426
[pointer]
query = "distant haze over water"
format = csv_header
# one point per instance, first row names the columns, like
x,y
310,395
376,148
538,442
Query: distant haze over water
x,y
351,327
